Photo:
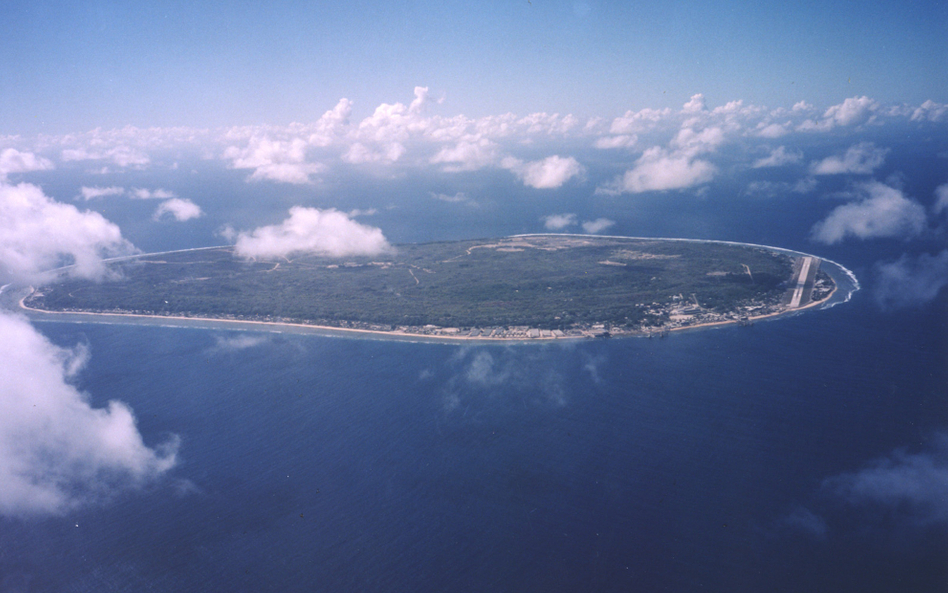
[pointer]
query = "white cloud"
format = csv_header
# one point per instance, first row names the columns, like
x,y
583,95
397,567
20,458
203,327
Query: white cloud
x,y
638,121
180,209
556,222
458,198
359,212
550,173
862,158
941,199
310,230
123,156
930,111
545,123
331,124
772,130
689,142
695,105
38,234
468,154
358,153
274,160
150,194
622,141
852,111
597,226
56,451
911,281
882,212
90,193
912,485
14,161
778,158
657,169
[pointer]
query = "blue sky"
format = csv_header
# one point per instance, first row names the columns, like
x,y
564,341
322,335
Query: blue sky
x,y
74,66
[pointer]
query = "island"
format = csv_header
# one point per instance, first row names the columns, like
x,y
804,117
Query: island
x,y
525,287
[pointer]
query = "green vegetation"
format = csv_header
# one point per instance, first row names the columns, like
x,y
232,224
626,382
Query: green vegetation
x,y
549,282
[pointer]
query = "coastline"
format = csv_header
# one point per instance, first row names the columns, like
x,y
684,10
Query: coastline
x,y
436,334
326,330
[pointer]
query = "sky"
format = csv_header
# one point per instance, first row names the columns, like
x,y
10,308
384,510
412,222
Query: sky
x,y
74,66
108,108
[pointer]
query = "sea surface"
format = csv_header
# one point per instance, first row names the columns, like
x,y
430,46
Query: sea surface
x,y
806,453
695,462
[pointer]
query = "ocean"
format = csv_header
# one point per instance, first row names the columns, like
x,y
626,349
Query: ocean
x,y
805,453
695,462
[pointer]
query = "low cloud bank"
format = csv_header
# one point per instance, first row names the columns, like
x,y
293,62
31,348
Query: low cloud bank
x,y
550,173
911,281
597,226
557,222
38,234
862,159
57,452
909,484
180,209
658,169
883,211
14,161
311,230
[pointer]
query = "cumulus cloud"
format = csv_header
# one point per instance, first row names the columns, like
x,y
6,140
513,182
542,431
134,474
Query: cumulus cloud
x,y
883,211
941,199
274,160
38,234
910,281
181,210
469,154
930,111
597,226
91,193
57,452
550,173
123,156
14,161
331,124
909,484
557,222
311,230
779,157
772,130
695,105
638,121
853,111
150,194
690,142
862,158
657,169
621,141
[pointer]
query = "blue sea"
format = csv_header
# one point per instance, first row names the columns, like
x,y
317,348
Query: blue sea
x,y
807,453
695,462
